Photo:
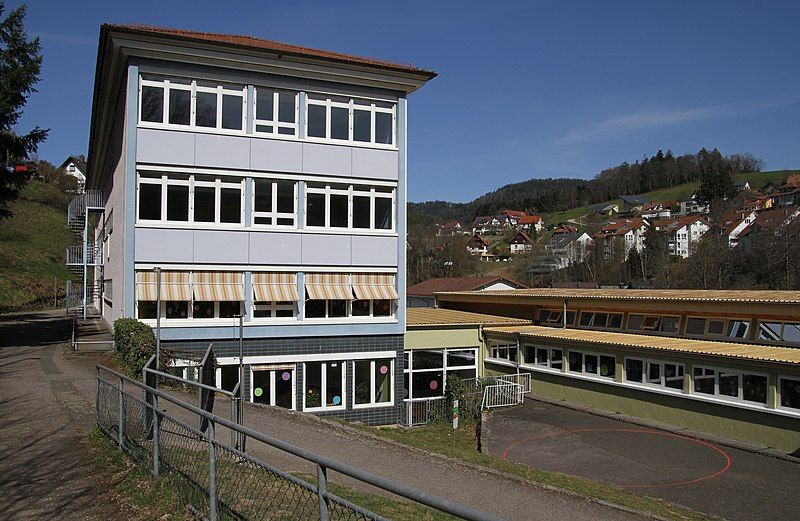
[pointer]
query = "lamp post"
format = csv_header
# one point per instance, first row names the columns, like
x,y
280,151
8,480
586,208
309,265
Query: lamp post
x,y
158,318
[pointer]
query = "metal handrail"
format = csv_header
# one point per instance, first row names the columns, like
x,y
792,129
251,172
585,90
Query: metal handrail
x,y
192,382
322,461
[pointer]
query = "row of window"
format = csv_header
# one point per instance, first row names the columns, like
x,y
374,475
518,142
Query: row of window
x,y
670,324
426,370
165,198
198,104
727,384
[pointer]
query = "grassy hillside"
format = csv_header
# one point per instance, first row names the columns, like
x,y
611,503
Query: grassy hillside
x,y
32,245
684,191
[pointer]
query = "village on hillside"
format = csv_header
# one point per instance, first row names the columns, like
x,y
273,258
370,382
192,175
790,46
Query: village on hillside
x,y
623,226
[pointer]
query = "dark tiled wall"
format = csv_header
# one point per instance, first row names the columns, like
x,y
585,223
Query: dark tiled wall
x,y
385,415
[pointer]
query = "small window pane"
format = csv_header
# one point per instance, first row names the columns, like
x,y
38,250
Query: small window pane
x,y
338,217
695,326
340,124
673,376
204,204
600,319
716,327
316,121
460,358
383,380
383,128
541,356
790,393
313,381
362,381
333,391
586,319
608,366
264,128
232,112
229,309
634,370
651,323
703,381
544,314
263,202
177,203
556,358
146,309
150,202
670,324
427,385
337,308
315,210
206,109
264,104
177,309
614,320
203,309
362,125
361,308
381,308
428,359
754,388
315,309
769,331
590,363
575,361
230,205
654,373
738,328
286,107
383,213
635,322
729,384
180,106
152,104
361,211
791,332
285,197
286,131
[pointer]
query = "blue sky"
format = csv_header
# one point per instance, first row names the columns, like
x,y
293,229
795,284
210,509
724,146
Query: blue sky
x,y
525,89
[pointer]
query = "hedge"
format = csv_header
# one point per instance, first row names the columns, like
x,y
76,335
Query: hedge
x,y
134,344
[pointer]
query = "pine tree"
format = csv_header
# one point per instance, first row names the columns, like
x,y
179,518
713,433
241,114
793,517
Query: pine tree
x,y
20,65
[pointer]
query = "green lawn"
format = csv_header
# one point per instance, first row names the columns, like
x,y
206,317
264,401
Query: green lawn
x,y
462,445
32,246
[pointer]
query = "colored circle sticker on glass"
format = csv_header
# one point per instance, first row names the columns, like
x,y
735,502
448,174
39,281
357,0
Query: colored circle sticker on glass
x,y
337,400
434,385
286,376
258,391
384,369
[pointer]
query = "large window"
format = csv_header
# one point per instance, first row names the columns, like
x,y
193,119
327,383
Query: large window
x,y
602,320
350,207
324,385
350,120
373,382
717,327
592,364
426,370
657,373
653,323
788,332
274,203
503,351
730,384
190,198
555,317
543,357
180,102
275,112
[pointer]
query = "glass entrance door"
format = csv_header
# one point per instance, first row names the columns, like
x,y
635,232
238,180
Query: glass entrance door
x,y
274,386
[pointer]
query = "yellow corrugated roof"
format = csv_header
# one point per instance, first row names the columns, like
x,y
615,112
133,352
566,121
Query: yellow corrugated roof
x,y
451,317
768,296
682,345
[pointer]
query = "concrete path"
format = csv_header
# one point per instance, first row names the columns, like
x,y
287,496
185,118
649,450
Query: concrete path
x,y
46,403
46,412
715,479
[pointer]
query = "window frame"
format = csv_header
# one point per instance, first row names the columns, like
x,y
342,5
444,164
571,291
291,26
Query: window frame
x,y
726,324
350,190
740,386
275,123
274,214
408,369
583,371
165,181
780,406
503,344
274,306
372,403
328,103
782,340
323,386
646,362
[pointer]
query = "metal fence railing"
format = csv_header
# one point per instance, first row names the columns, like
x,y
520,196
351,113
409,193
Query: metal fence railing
x,y
478,384
217,480
502,395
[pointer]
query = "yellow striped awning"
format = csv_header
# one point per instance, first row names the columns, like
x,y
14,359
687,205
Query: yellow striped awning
x,y
275,287
328,286
374,286
218,286
175,285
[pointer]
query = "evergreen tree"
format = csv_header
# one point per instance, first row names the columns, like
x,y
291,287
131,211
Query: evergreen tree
x,y
20,64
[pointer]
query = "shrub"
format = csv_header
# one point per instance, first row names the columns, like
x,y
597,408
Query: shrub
x,y
134,344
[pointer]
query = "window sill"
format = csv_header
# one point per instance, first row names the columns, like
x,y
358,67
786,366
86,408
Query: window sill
x,y
324,409
185,225
188,128
382,405
342,320
500,361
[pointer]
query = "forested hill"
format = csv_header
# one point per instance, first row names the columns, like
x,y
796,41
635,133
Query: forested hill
x,y
662,170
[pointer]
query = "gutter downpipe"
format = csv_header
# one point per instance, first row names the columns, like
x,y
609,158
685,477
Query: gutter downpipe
x,y
564,317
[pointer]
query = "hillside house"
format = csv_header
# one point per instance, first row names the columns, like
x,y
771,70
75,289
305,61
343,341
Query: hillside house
x,y
604,209
569,248
627,234
693,206
477,245
655,211
267,181
564,228
75,167
521,243
731,224
742,186
529,223
682,232
760,203
633,203
788,193
449,229
486,225
423,294
766,225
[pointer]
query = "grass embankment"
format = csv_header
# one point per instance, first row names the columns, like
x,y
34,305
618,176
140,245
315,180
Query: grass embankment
x,y
253,493
681,192
462,445
32,245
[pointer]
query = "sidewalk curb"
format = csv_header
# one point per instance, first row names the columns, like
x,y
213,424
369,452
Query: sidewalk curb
x,y
465,464
747,447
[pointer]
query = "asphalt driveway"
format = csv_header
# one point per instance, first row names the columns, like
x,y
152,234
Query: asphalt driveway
x,y
715,479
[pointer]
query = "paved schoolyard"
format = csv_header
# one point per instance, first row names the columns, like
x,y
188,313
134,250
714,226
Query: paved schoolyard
x,y
712,478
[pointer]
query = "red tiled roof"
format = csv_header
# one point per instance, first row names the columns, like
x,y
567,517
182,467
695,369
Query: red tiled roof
x,y
514,213
268,45
525,238
429,287
529,219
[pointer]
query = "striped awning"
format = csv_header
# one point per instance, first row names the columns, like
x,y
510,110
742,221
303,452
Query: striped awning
x,y
174,286
328,286
275,287
374,286
218,286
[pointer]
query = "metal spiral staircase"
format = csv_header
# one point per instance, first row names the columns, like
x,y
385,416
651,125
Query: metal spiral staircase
x,y
84,260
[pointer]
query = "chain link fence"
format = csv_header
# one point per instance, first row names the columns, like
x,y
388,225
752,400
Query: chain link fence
x,y
218,481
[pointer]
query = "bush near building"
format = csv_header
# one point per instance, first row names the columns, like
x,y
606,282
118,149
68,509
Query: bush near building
x,y
134,344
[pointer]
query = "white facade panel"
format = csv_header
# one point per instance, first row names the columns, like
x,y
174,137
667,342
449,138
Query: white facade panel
x,y
276,155
165,147
222,151
327,159
326,250
275,248
375,164
374,251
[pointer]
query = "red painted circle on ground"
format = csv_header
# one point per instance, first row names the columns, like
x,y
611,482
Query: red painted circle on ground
x,y
728,460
